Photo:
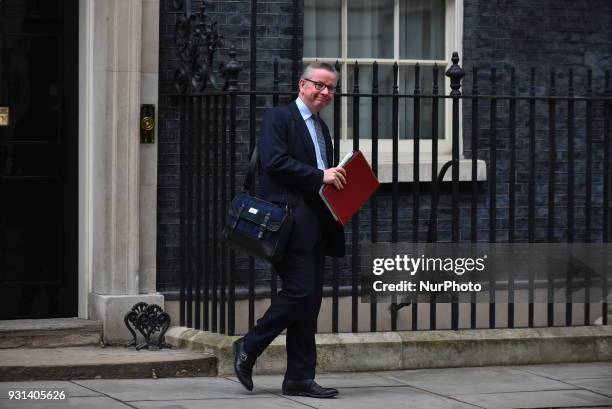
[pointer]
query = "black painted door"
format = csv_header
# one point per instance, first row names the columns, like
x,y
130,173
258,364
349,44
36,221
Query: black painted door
x,y
38,158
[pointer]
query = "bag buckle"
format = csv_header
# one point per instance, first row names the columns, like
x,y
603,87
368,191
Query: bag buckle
x,y
263,226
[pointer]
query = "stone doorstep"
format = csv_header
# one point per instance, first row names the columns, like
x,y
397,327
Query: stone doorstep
x,y
49,333
375,351
102,363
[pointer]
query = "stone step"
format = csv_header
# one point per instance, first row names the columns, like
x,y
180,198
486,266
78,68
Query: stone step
x,y
89,362
49,333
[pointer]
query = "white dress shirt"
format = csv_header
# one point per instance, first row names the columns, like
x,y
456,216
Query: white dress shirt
x,y
309,119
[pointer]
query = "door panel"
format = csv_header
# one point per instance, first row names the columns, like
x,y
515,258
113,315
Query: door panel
x,y
33,91
38,158
32,231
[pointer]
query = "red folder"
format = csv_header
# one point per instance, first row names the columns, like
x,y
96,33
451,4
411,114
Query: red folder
x,y
361,183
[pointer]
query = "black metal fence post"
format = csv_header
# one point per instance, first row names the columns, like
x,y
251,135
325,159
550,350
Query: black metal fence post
x,y
434,182
588,187
435,109
570,189
231,307
198,214
416,150
373,200
252,139
189,209
395,173
231,70
493,186
182,217
512,188
355,219
335,265
415,173
531,193
224,250
455,73
607,169
552,160
207,202
273,275
215,215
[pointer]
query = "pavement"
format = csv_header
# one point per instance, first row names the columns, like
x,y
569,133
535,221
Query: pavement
x,y
574,385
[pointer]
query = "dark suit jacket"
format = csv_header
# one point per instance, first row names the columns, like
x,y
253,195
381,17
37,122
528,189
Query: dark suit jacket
x,y
288,161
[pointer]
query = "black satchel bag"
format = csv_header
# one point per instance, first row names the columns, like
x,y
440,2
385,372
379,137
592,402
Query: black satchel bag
x,y
256,227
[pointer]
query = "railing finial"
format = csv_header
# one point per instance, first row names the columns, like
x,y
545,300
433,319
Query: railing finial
x,y
455,73
230,71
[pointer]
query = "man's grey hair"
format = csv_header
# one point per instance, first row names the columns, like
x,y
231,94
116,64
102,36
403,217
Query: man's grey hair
x,y
319,66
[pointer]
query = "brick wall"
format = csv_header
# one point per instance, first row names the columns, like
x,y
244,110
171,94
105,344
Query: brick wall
x,y
540,34
274,41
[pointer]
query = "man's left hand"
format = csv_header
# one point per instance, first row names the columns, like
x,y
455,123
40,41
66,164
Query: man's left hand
x,y
335,176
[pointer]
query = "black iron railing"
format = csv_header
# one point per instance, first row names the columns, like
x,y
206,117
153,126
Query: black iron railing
x,y
218,131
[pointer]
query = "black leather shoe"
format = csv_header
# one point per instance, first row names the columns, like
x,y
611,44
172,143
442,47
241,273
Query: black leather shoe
x,y
308,388
243,364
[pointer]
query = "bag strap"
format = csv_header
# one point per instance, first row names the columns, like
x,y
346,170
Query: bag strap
x,y
250,177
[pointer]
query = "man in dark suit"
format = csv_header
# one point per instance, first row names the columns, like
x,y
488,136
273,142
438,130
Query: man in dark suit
x,y
295,152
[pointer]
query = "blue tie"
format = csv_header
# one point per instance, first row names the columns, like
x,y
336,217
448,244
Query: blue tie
x,y
320,140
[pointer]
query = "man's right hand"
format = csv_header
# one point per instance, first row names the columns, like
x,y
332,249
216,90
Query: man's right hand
x,y
335,176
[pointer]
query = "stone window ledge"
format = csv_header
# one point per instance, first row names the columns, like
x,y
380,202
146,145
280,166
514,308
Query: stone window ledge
x,y
406,168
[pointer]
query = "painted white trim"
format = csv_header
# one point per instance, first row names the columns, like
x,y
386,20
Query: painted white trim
x,y
85,182
344,69
381,61
396,30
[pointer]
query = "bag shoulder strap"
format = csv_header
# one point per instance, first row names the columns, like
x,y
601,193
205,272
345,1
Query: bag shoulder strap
x,y
250,176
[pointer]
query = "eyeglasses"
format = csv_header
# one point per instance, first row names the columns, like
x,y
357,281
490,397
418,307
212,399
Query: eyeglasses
x,y
319,86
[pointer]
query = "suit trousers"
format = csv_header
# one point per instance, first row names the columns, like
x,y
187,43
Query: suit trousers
x,y
295,308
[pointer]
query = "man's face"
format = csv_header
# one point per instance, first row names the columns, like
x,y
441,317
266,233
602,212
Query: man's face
x,y
315,99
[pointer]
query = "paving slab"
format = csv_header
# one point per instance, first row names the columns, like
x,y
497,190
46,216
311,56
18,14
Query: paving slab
x,y
260,403
537,399
96,402
73,389
571,370
598,385
458,381
397,397
330,380
460,388
171,389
